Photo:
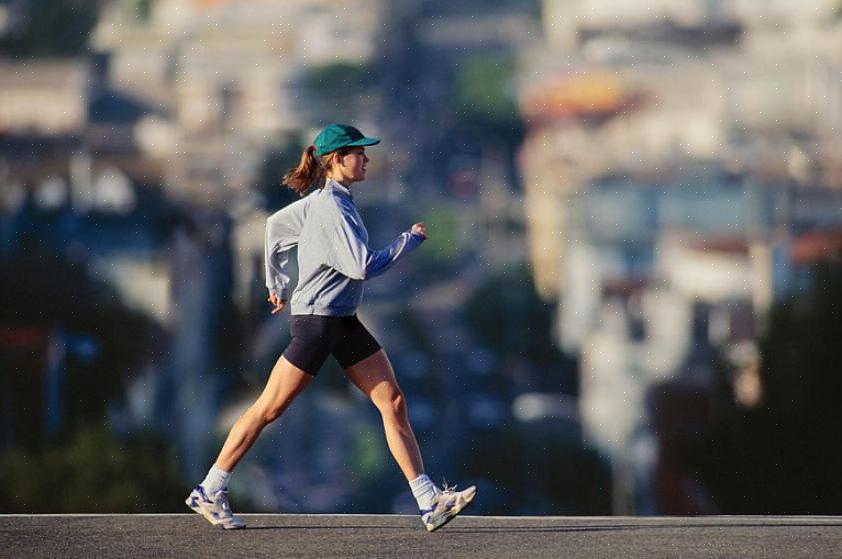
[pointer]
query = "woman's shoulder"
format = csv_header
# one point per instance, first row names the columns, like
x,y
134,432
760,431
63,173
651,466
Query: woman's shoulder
x,y
331,200
295,208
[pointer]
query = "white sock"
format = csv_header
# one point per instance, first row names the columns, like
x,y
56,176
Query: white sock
x,y
216,480
423,490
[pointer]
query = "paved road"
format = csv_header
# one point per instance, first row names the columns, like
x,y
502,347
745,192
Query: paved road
x,y
187,535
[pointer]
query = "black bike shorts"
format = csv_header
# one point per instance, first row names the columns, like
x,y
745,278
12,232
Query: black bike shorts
x,y
314,337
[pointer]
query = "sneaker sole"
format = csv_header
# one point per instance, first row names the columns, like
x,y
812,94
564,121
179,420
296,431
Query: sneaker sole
x,y
456,512
207,516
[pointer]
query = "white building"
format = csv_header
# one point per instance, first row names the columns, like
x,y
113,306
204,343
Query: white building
x,y
617,95
43,97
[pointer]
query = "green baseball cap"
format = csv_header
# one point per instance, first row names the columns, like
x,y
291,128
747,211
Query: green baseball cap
x,y
335,136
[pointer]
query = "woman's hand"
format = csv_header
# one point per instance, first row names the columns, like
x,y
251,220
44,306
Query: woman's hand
x,y
419,229
277,302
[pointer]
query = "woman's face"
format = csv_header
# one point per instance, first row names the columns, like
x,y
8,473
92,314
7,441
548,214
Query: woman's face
x,y
350,167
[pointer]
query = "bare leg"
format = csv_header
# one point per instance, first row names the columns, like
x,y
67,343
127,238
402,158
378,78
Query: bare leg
x,y
375,377
285,383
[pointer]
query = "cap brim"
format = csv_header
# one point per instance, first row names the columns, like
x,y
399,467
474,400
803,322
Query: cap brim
x,y
364,142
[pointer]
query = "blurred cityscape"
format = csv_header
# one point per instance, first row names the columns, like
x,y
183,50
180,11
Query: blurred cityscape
x,y
629,302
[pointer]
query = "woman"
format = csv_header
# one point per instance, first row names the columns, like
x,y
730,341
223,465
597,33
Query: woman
x,y
334,260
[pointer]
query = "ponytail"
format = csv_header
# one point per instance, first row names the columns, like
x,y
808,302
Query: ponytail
x,y
311,169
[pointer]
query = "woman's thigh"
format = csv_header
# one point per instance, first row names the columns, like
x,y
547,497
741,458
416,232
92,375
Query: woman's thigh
x,y
374,376
285,382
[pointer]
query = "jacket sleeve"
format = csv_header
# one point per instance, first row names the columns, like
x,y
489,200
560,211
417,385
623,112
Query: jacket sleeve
x,y
282,231
348,251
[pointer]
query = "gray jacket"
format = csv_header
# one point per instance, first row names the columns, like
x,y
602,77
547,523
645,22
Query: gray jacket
x,y
333,253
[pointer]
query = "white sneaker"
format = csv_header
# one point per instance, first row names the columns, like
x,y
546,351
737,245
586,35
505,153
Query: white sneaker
x,y
446,505
216,510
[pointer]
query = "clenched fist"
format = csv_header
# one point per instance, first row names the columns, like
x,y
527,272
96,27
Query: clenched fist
x,y
419,229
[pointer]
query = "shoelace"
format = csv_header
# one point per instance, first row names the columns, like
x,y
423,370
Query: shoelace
x,y
447,488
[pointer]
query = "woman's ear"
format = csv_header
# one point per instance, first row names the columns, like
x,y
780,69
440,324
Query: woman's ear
x,y
334,160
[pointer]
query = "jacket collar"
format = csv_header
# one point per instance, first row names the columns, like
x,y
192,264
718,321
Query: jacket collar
x,y
331,184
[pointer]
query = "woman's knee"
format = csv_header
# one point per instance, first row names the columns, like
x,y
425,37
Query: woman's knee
x,y
391,402
283,387
267,412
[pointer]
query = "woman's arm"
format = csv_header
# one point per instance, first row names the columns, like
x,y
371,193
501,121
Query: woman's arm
x,y
349,253
282,231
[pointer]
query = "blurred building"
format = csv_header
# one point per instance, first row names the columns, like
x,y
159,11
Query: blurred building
x,y
43,97
674,151
227,78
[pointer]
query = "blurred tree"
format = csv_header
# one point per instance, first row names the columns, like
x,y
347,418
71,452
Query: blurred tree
x,y
340,80
276,162
80,468
554,473
144,9
40,289
338,92
91,472
522,323
485,117
783,457
444,248
484,96
53,28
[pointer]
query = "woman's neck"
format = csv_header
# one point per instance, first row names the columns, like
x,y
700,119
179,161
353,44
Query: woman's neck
x,y
345,183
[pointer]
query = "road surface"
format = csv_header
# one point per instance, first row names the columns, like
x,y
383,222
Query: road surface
x,y
289,535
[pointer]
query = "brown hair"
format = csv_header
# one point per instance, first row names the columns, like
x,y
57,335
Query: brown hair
x,y
311,169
